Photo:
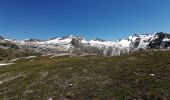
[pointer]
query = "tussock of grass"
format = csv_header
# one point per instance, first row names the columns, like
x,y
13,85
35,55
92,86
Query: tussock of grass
x,y
91,77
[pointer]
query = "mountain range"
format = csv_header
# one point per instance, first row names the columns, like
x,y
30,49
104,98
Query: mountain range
x,y
80,46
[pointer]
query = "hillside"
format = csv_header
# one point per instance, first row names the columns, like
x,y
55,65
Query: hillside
x,y
140,75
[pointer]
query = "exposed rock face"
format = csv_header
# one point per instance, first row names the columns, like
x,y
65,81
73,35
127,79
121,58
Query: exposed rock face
x,y
161,41
78,45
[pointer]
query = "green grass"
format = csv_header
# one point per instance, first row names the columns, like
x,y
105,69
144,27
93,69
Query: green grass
x,y
88,78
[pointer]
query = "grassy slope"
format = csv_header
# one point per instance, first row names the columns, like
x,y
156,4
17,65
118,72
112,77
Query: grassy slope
x,y
6,54
88,77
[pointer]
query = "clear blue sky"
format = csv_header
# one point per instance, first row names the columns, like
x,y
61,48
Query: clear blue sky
x,y
107,19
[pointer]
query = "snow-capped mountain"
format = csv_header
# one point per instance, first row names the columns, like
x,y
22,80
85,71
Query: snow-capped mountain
x,y
157,40
78,45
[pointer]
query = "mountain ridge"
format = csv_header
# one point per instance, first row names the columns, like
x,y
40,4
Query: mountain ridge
x,y
73,44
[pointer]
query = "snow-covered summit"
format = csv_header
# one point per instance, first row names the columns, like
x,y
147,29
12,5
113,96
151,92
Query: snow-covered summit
x,y
63,40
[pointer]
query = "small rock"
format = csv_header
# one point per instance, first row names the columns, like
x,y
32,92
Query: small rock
x,y
1,82
152,74
50,99
136,73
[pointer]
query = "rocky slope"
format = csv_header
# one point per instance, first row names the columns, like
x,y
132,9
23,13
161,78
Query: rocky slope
x,y
78,45
6,44
9,50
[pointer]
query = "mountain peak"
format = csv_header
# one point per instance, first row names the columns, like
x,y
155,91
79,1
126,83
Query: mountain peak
x,y
98,39
33,40
72,37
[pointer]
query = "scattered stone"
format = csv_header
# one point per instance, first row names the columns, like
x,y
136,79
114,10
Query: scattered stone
x,y
5,98
1,82
152,74
50,99
136,73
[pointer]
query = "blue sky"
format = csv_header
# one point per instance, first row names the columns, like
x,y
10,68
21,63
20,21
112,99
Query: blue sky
x,y
107,19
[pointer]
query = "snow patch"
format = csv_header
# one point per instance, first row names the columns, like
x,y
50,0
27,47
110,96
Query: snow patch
x,y
166,39
125,43
5,64
29,57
